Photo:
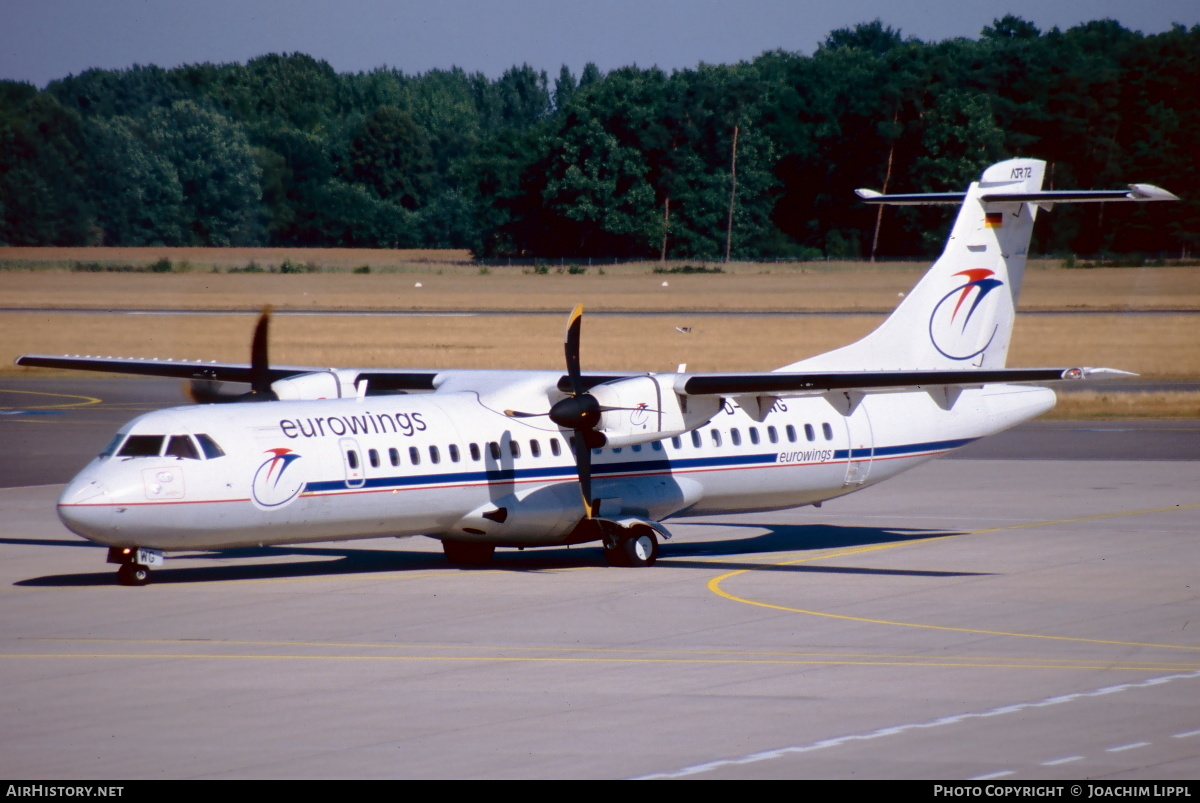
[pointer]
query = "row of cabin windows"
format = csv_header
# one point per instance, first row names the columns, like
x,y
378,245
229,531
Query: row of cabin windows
x,y
495,450
735,435
375,458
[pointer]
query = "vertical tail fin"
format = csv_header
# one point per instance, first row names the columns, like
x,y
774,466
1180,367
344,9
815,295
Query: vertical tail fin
x,y
960,315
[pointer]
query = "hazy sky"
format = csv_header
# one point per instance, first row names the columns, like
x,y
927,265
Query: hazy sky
x,y
45,39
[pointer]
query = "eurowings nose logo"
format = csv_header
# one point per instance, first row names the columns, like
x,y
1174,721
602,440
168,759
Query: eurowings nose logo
x,y
275,482
962,326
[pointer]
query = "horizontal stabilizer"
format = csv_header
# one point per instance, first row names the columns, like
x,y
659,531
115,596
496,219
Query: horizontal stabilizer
x,y
1136,192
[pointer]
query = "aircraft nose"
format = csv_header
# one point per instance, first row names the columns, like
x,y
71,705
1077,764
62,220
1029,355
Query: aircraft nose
x,y
85,507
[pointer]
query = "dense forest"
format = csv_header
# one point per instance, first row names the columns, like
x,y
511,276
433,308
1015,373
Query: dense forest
x,y
636,163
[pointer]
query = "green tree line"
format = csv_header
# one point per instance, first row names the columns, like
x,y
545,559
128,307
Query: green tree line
x,y
759,157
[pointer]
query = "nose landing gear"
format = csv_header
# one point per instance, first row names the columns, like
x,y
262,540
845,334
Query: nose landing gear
x,y
135,563
131,574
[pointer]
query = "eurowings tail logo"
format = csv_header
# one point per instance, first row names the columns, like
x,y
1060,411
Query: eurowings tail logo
x,y
960,330
274,485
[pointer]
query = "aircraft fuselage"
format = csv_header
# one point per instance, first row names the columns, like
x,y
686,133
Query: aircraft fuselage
x,y
446,465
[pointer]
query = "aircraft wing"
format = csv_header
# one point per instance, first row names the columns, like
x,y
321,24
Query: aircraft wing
x,y
772,383
802,383
380,380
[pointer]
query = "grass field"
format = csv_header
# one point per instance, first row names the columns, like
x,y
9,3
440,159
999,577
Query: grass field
x,y
1160,346
860,287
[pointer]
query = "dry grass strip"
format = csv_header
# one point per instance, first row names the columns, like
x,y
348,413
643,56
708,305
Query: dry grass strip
x,y
860,288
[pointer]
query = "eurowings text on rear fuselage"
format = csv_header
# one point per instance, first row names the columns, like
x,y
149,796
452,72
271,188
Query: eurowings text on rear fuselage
x,y
481,459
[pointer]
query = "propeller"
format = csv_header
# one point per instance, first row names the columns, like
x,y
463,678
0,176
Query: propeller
x,y
208,391
579,412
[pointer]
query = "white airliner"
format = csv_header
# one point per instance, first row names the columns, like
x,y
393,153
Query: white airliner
x,y
481,459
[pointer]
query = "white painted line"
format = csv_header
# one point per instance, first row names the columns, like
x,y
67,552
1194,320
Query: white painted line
x,y
991,777
767,755
1058,761
1186,735
1133,746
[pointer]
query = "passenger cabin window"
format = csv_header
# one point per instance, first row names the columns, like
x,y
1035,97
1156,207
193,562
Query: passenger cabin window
x,y
555,449
716,438
535,449
209,447
373,456
434,456
808,432
735,436
514,448
352,458
637,447
677,442
142,446
181,446
772,435
474,449
828,430
657,446
696,438
394,456
453,452
414,455
754,435
791,433
494,449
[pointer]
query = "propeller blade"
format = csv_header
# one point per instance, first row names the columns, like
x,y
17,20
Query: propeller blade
x,y
260,366
583,465
571,347
519,414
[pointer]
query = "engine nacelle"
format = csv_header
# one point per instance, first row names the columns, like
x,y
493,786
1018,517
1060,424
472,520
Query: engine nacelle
x,y
540,515
329,384
648,411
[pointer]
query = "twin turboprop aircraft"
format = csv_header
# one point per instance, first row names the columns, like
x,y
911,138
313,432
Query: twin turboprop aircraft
x,y
480,459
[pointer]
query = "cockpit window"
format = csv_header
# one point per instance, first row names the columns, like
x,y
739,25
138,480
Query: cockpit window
x,y
142,446
111,449
182,446
211,450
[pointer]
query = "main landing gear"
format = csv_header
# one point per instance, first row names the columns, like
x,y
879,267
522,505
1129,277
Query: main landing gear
x,y
135,563
468,553
635,547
